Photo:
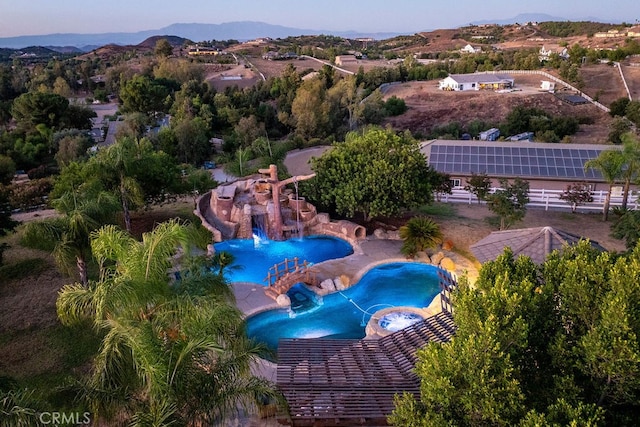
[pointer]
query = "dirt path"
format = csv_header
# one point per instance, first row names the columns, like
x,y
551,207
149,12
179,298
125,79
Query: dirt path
x,y
34,215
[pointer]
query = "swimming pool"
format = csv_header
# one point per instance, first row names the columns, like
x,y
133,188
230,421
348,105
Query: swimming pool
x,y
256,257
345,314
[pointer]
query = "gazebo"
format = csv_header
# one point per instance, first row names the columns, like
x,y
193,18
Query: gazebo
x,y
536,243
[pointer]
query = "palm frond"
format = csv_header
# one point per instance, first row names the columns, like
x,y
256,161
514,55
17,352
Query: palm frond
x,y
75,303
160,245
110,243
43,234
18,408
157,414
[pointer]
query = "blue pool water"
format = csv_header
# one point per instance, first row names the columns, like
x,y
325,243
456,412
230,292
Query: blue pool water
x,y
256,257
341,314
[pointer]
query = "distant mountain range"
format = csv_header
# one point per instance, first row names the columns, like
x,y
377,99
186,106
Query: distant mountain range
x,y
534,17
243,30
520,19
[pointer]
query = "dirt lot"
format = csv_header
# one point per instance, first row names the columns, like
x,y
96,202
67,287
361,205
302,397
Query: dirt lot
x,y
28,320
631,71
220,77
430,107
603,82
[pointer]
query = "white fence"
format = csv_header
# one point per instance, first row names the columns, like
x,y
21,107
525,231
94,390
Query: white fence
x,y
555,79
549,199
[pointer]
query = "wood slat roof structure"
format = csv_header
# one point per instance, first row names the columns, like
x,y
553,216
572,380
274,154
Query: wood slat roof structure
x,y
330,382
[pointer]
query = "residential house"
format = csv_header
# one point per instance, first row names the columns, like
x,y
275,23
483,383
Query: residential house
x,y
477,81
203,51
610,34
470,49
633,32
545,54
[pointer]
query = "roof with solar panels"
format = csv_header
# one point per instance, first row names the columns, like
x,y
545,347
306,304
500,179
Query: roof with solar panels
x,y
527,160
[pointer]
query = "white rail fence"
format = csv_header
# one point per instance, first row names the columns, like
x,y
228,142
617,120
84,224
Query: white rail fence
x,y
555,79
549,199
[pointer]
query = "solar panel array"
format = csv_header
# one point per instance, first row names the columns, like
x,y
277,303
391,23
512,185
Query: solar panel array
x,y
525,161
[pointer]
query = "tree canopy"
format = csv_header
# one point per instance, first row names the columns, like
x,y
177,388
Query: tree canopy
x,y
510,201
52,110
373,172
556,344
144,95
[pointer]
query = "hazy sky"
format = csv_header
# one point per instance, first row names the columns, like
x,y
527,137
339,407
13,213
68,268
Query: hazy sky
x,y
34,17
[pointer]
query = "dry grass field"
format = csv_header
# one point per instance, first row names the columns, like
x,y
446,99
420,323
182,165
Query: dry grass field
x,y
429,107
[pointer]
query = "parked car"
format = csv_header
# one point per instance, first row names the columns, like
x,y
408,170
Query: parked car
x,y
209,165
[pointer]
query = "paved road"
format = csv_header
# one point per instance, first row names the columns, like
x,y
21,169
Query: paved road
x,y
297,161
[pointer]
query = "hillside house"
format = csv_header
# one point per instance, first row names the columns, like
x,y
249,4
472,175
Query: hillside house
x,y
610,34
201,51
259,41
545,54
477,81
470,49
342,60
633,32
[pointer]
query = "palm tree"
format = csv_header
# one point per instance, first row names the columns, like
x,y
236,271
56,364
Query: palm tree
x,y
631,152
119,161
80,214
163,348
419,233
610,164
224,261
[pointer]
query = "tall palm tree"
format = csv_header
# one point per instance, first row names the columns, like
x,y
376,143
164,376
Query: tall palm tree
x,y
631,169
610,164
119,161
163,348
80,214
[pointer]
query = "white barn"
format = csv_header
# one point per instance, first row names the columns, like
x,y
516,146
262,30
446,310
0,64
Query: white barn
x,y
477,81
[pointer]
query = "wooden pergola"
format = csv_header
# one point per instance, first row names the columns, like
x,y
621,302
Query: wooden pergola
x,y
331,382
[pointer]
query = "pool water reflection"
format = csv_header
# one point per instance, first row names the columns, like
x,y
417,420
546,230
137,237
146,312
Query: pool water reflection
x,y
345,314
